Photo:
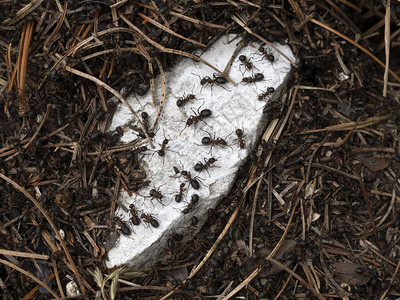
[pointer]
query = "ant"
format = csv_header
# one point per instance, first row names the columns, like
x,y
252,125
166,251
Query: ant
x,y
193,181
156,194
239,133
246,63
124,228
216,79
183,100
178,197
193,224
200,166
210,141
150,219
199,117
161,152
145,121
270,90
137,150
268,56
135,219
251,79
273,109
138,185
192,204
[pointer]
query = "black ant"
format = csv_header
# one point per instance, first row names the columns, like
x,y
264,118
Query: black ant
x,y
193,181
251,79
150,219
183,100
273,109
200,166
161,152
138,185
156,194
239,133
210,141
270,90
200,117
216,79
192,204
135,219
193,224
145,121
246,63
139,150
268,56
178,197
123,227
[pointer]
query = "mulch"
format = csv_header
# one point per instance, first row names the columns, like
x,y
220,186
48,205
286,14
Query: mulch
x,y
314,212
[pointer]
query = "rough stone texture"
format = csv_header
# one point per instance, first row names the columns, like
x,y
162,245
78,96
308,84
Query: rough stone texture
x,y
233,107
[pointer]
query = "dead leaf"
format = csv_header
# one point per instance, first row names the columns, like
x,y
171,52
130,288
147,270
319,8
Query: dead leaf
x,y
63,200
350,273
374,164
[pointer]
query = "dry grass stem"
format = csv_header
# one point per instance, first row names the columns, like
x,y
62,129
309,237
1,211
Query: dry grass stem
x,y
357,45
295,221
169,30
116,94
50,221
387,48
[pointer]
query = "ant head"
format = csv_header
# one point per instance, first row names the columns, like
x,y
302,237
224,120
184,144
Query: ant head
x,y
144,115
213,160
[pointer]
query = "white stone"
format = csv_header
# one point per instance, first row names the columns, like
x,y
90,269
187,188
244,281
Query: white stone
x,y
343,76
233,107
72,289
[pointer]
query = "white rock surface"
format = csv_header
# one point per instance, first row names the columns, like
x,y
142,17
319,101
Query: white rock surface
x,y
233,107
72,289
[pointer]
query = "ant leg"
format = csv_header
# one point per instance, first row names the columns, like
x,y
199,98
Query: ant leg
x,y
206,124
240,69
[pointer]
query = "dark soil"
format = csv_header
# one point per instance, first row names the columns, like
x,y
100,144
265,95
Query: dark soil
x,y
315,211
